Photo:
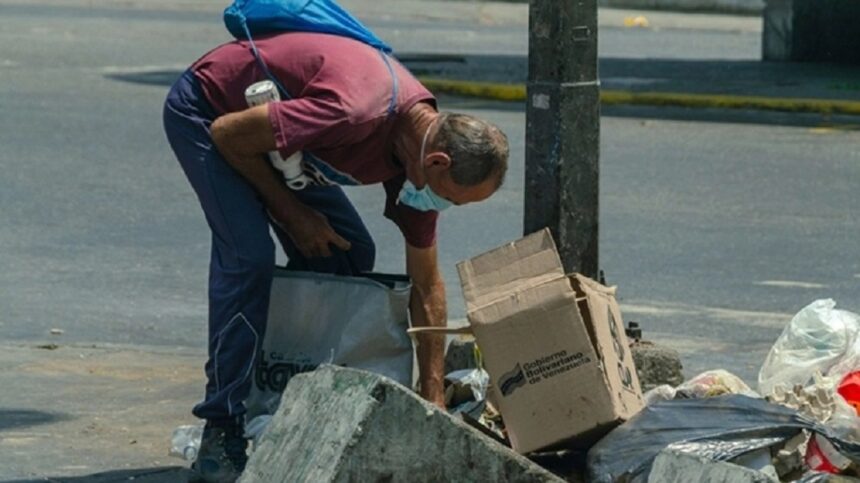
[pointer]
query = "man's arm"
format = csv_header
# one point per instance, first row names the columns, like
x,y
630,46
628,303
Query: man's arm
x,y
244,138
427,307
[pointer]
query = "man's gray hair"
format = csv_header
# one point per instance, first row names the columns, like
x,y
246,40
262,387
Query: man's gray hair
x,y
478,149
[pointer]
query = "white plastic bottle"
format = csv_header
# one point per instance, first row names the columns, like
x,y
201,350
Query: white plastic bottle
x,y
263,92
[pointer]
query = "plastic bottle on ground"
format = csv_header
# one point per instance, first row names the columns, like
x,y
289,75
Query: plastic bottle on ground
x,y
185,441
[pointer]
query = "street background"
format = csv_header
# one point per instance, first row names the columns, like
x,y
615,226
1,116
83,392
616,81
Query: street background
x,y
716,225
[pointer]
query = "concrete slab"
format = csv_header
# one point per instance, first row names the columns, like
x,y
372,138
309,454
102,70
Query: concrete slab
x,y
339,424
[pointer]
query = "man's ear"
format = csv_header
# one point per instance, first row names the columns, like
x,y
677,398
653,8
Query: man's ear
x,y
438,159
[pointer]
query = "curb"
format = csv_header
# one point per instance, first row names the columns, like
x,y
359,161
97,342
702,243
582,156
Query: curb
x,y
736,7
609,97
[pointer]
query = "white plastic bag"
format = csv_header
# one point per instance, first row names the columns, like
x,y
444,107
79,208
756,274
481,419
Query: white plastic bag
x,y
466,391
816,339
713,383
663,392
317,318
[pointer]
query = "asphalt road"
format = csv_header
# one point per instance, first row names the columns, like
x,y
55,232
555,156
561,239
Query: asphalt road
x,y
715,231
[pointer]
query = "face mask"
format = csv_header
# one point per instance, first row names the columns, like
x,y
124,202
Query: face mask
x,y
423,199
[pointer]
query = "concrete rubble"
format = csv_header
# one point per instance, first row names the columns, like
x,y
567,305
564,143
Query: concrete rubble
x,y
656,365
673,466
460,355
341,424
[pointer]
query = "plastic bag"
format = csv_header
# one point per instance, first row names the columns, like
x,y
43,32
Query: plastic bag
x,y
845,420
466,391
712,383
850,361
715,383
316,318
663,392
816,339
721,428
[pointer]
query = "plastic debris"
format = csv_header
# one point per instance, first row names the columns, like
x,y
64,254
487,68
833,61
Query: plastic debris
x,y
789,460
720,428
849,389
185,441
466,391
818,338
57,331
815,401
659,393
817,351
822,456
714,383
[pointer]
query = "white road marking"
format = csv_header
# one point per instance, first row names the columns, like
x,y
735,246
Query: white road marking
x,y
751,318
790,284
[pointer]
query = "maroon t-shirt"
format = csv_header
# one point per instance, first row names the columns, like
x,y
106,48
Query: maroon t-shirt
x,y
338,114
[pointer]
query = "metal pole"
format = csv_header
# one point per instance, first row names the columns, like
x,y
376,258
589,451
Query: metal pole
x,y
563,129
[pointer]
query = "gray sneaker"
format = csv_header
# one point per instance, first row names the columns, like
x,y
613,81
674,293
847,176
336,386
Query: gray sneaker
x,y
222,456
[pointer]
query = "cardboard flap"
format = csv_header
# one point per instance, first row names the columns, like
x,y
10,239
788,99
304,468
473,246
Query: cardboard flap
x,y
588,284
514,267
533,301
605,325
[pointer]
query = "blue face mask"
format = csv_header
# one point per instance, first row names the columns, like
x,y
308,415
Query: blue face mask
x,y
423,199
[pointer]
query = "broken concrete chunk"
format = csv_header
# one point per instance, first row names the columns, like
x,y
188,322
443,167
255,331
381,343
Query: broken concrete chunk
x,y
673,466
340,424
656,365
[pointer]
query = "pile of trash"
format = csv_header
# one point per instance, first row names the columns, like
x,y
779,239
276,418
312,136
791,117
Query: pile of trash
x,y
801,424
556,380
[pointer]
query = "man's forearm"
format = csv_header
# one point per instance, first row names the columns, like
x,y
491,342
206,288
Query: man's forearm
x,y
254,168
264,178
428,308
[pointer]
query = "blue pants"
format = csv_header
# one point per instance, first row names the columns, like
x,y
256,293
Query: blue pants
x,y
243,252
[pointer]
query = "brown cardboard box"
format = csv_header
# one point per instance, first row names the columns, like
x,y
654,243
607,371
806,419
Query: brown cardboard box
x,y
554,346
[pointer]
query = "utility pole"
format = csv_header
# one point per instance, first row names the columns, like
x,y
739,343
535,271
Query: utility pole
x,y
563,129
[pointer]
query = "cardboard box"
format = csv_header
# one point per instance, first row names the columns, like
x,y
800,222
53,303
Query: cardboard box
x,y
554,345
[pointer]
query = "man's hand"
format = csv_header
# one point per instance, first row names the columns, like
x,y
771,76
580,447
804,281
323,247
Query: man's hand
x,y
309,230
427,306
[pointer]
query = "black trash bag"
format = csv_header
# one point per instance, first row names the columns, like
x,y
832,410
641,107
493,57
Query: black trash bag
x,y
719,428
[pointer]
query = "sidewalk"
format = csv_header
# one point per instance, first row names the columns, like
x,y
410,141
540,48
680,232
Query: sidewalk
x,y
72,412
825,89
